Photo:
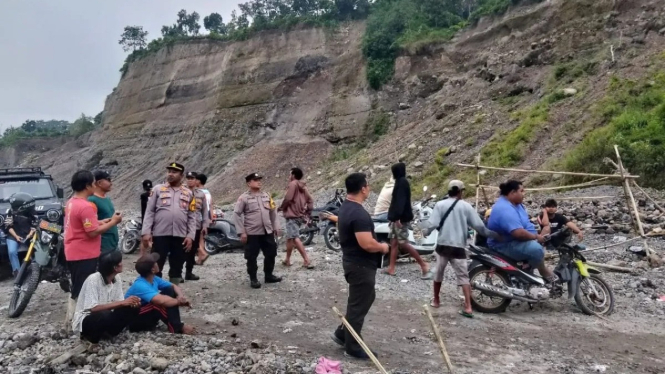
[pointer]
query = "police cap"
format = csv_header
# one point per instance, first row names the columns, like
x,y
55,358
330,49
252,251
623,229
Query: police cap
x,y
253,177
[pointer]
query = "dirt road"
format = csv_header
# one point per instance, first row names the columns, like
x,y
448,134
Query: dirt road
x,y
295,316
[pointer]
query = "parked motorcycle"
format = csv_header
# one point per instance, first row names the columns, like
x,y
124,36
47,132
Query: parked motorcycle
x,y
222,236
131,237
497,280
44,260
317,224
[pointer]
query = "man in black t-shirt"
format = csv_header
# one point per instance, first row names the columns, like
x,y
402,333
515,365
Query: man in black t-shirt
x,y
147,187
553,221
361,256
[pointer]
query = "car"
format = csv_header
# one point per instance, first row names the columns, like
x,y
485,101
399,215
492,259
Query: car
x,y
49,203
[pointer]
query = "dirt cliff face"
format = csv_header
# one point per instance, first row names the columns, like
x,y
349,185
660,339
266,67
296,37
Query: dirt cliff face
x,y
266,104
300,98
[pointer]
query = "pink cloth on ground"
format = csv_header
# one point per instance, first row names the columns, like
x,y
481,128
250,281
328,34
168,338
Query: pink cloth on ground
x,y
326,366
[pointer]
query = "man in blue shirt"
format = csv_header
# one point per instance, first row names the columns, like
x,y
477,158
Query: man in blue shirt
x,y
521,241
160,300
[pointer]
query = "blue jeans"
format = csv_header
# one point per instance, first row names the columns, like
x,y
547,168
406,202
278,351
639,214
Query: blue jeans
x,y
530,251
12,251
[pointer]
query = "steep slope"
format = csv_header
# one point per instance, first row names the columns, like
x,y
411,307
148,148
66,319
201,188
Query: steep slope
x,y
300,98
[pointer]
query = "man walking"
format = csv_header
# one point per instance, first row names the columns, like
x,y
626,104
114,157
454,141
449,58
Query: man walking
x,y
400,215
147,187
83,235
170,221
452,218
361,256
297,206
202,179
255,216
202,223
105,210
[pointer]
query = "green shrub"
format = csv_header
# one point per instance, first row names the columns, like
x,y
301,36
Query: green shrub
x,y
635,117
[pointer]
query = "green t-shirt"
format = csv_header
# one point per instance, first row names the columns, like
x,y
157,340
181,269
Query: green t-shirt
x,y
106,210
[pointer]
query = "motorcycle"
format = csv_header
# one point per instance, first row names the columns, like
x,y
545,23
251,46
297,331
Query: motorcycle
x,y
44,260
131,237
222,236
500,279
317,224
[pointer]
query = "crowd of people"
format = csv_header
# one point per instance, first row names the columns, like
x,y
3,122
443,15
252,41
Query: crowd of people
x,y
176,216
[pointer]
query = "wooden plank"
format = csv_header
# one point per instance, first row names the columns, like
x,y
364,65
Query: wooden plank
x,y
549,172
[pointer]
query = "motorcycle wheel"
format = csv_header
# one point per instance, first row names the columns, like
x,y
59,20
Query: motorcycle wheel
x,y
307,237
209,245
497,304
589,303
24,288
331,237
130,242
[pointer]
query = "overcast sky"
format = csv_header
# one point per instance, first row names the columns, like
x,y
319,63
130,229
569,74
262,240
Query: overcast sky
x,y
60,58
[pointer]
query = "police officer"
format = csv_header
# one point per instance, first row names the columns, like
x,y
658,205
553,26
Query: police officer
x,y
256,221
202,224
170,221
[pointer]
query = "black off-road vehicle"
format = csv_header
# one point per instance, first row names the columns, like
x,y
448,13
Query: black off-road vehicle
x,y
49,200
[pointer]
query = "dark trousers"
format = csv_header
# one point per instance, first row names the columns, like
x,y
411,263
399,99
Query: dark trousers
x,y
80,271
171,247
256,244
108,323
361,282
190,257
149,316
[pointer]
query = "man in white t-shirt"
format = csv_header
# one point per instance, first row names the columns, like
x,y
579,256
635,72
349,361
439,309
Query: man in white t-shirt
x,y
202,180
385,197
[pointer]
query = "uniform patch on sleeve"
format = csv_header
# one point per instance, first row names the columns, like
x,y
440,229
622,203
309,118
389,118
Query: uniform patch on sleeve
x,y
87,223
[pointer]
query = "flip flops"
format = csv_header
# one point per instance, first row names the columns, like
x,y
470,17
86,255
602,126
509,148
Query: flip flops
x,y
309,267
465,314
387,273
427,276
284,263
431,303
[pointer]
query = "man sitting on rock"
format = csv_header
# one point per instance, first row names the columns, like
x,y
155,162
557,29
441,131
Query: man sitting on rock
x,y
160,300
100,308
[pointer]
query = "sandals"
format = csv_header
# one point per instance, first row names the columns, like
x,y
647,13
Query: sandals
x,y
201,262
309,267
427,276
432,304
465,314
387,273
286,264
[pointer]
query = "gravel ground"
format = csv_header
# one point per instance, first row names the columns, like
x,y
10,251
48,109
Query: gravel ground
x,y
284,328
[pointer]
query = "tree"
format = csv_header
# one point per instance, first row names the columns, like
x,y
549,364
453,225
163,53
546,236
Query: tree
x,y
29,126
214,23
98,119
185,25
133,38
81,126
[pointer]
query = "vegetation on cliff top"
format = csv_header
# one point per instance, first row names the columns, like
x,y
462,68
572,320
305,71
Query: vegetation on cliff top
x,y
392,25
53,128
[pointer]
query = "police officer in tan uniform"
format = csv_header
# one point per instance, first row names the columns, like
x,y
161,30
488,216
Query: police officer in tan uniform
x,y
170,221
256,221
202,224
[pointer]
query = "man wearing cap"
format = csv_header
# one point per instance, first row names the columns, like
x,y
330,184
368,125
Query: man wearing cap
x,y
256,221
160,300
170,221
452,218
202,223
105,210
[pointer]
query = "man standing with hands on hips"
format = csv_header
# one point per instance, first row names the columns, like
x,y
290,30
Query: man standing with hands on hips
x,y
170,221
361,256
256,221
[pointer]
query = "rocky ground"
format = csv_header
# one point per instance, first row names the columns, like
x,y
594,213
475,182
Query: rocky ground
x,y
284,328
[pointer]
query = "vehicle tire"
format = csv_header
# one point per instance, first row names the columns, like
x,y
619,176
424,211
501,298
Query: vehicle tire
x,y
131,240
307,237
606,307
23,291
331,238
209,245
502,303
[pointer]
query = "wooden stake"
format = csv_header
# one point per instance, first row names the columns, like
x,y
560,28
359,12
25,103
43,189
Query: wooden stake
x,y
487,201
475,233
360,341
629,195
549,172
444,353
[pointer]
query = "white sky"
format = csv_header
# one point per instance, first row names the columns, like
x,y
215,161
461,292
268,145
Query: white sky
x,y
61,58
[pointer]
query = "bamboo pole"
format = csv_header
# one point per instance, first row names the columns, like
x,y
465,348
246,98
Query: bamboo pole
x,y
478,185
626,190
487,201
437,333
612,267
586,184
662,210
549,172
360,341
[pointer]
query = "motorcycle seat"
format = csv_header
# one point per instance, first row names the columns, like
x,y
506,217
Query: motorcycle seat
x,y
508,259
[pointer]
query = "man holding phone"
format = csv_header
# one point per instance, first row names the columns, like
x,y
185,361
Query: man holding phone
x,y
361,256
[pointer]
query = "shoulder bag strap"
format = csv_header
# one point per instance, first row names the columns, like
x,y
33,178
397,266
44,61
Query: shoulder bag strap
x,y
443,219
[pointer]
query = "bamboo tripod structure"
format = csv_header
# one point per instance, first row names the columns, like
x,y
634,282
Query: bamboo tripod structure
x,y
626,179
